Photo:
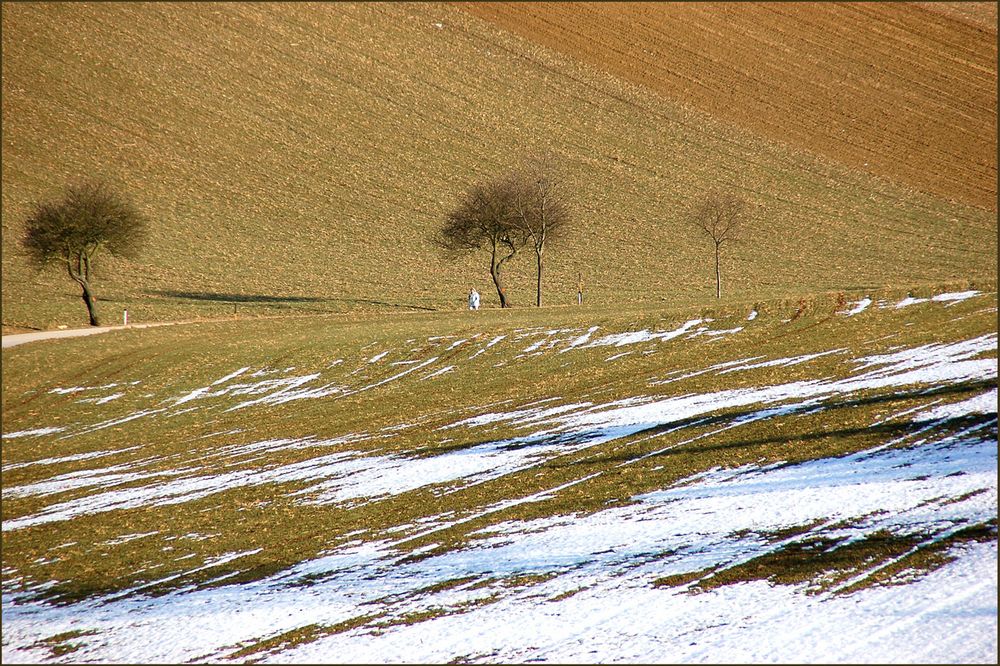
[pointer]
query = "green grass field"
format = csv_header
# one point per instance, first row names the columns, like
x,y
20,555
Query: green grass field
x,y
380,386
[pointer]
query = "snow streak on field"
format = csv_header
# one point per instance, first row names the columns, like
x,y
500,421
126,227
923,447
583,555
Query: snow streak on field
x,y
633,582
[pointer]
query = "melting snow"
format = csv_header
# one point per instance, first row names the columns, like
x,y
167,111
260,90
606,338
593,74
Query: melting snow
x,y
231,375
101,401
782,362
955,297
447,368
62,459
32,433
488,345
601,604
580,340
564,428
858,307
909,300
621,339
610,560
985,403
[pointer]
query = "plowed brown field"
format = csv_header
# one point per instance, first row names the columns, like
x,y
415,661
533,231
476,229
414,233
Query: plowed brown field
x,y
901,90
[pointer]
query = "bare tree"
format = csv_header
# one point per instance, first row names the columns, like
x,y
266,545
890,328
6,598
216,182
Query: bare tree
x,y
542,212
721,215
485,217
91,217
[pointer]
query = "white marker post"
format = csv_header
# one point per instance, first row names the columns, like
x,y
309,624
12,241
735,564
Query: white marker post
x,y
124,317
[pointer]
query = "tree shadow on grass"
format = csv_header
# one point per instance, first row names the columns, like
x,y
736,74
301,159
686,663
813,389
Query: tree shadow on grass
x,y
238,298
731,416
280,301
884,431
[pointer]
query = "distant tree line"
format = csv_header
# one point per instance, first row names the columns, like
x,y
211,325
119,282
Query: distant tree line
x,y
528,207
525,208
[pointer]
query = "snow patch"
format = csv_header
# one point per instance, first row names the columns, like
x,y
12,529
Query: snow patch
x,y
857,307
447,368
909,300
37,432
231,375
633,337
985,403
955,297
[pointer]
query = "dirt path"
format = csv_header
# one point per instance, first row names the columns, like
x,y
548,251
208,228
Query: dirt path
x,y
21,338
15,339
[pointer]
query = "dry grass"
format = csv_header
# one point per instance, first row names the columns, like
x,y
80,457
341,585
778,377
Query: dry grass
x,y
295,158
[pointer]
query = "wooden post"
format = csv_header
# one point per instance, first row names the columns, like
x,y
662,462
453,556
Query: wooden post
x,y
579,289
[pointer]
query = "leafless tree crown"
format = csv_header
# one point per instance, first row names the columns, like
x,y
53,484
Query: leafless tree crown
x,y
484,214
721,215
542,211
91,217
524,207
485,218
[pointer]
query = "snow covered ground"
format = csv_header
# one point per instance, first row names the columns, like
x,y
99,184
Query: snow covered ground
x,y
588,588
610,560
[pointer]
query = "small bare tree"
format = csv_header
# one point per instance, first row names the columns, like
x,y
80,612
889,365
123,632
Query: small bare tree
x,y
91,217
542,213
485,217
722,216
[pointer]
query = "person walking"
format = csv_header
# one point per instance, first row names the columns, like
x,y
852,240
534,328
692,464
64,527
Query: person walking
x,y
473,299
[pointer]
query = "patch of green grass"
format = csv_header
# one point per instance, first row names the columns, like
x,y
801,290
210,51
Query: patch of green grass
x,y
823,564
416,617
65,643
677,580
819,562
567,594
927,558
300,636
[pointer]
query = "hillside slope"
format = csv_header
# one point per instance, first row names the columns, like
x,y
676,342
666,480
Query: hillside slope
x,y
298,157
899,90
783,484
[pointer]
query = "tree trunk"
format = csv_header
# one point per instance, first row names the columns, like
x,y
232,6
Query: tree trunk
x,y
495,274
718,274
88,298
81,276
538,290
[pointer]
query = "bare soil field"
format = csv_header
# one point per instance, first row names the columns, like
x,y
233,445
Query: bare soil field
x,y
298,159
903,90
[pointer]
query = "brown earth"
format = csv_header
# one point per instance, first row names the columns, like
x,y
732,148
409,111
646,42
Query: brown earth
x,y
906,91
299,158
